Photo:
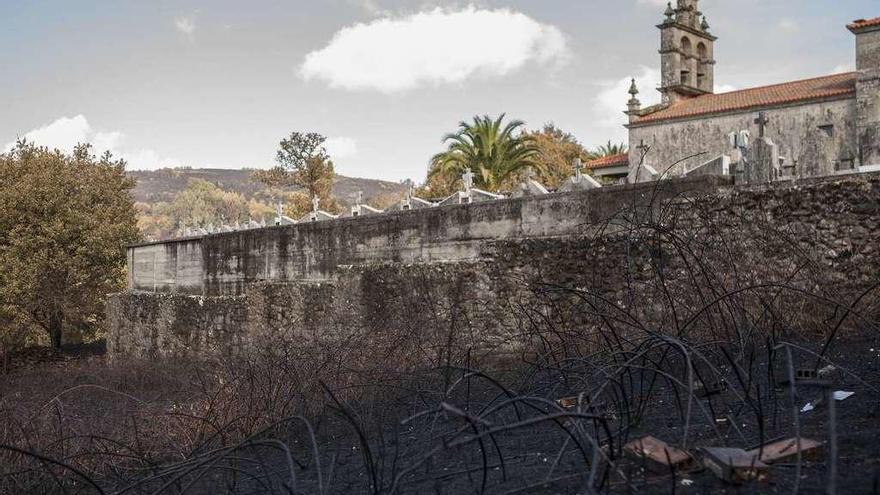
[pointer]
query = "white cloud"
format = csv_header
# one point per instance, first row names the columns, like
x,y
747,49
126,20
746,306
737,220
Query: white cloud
x,y
66,132
185,25
435,47
340,147
789,25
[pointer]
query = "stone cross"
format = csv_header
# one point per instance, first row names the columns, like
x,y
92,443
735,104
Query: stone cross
x,y
315,203
360,197
762,122
468,179
578,166
529,173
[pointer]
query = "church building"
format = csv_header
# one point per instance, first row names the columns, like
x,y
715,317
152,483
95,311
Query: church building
x,y
813,127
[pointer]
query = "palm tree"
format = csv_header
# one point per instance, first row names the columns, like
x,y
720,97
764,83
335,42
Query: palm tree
x,y
608,150
492,151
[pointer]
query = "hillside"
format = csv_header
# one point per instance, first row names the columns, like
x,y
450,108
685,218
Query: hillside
x,y
162,185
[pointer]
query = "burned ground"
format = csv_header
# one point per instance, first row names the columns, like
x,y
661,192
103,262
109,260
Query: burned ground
x,y
718,331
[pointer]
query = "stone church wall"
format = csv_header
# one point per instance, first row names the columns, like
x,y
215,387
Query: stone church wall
x,y
817,136
810,233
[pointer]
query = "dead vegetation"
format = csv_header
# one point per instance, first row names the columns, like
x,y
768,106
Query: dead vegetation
x,y
705,345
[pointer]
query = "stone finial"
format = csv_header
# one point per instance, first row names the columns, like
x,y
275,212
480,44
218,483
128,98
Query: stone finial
x,y
633,106
315,203
705,25
360,198
670,13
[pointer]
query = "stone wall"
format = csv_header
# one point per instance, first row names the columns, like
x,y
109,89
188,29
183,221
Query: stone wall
x,y
802,133
228,263
819,236
868,94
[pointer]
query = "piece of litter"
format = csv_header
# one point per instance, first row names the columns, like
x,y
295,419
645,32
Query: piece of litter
x,y
807,408
841,395
687,482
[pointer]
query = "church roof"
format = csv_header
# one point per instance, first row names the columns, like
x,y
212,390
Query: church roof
x,y
608,161
818,88
863,23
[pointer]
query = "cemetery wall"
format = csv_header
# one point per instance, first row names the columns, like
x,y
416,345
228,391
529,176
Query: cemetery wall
x,y
812,233
228,263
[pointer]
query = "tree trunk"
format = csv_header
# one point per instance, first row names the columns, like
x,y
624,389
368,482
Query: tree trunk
x,y
56,328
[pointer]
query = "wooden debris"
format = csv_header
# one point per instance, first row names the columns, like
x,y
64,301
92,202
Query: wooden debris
x,y
806,378
783,450
657,455
567,402
805,374
734,465
705,390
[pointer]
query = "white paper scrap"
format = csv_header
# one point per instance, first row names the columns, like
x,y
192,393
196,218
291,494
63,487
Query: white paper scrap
x,y
841,395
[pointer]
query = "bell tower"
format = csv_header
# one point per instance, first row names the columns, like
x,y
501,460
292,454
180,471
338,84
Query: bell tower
x,y
687,53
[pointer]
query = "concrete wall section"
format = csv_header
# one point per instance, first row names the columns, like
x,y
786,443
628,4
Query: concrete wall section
x,y
168,267
228,263
817,136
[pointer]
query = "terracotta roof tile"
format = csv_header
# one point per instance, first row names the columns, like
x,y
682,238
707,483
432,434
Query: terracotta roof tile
x,y
791,92
608,161
863,23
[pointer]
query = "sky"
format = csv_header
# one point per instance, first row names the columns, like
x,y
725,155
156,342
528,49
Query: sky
x,y
218,83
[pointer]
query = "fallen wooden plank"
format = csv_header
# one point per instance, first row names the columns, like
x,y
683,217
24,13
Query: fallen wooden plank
x,y
734,465
783,450
657,455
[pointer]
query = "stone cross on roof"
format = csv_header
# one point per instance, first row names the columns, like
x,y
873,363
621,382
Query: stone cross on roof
x,y
468,178
360,197
315,202
529,173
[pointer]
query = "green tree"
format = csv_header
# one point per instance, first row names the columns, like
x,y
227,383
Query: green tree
x,y
302,161
492,150
203,204
64,224
557,151
609,149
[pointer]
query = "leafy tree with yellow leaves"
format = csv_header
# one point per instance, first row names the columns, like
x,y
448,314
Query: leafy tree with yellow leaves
x,y
64,223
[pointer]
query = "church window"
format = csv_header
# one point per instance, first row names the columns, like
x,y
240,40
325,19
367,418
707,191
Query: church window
x,y
686,46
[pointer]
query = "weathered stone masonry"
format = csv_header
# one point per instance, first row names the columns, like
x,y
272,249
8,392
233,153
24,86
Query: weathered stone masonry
x,y
471,265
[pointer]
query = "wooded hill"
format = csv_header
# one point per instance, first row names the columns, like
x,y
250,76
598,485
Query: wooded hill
x,y
163,185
